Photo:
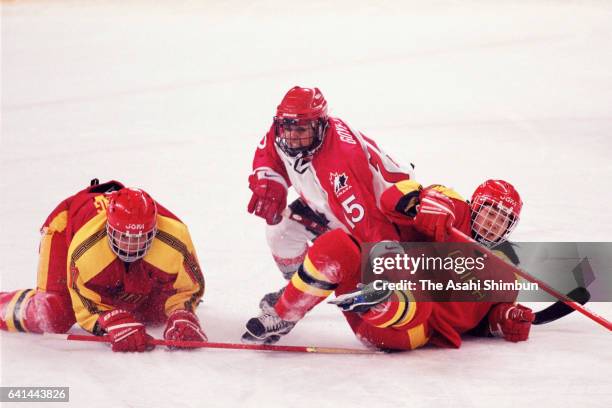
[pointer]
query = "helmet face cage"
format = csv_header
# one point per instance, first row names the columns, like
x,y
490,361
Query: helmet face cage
x,y
492,223
299,146
130,247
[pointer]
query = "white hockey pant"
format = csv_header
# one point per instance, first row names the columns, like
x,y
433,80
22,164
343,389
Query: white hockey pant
x,y
288,242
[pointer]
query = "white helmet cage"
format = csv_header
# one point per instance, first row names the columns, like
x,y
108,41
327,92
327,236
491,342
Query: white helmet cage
x,y
130,247
492,222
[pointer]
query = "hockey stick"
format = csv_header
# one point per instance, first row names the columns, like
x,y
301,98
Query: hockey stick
x,y
559,309
233,346
497,262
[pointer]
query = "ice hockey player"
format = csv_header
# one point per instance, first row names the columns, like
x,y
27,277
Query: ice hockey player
x,y
111,259
338,173
392,319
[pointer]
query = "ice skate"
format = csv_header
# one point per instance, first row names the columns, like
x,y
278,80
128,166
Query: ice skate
x,y
266,329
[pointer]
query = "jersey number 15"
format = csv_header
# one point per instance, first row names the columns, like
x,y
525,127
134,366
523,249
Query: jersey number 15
x,y
354,211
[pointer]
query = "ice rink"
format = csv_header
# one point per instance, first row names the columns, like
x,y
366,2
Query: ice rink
x,y
173,97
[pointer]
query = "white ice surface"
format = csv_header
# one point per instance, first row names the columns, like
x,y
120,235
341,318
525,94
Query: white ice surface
x,y
173,96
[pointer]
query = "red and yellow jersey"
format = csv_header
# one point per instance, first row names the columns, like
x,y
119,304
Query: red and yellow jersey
x,y
416,323
399,203
99,281
437,323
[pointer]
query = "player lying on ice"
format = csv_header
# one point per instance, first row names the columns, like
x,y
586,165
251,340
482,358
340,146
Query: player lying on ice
x,y
111,259
338,172
388,319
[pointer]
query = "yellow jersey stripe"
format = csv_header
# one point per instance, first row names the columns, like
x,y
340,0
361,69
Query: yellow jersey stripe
x,y
417,336
83,265
412,308
311,270
87,304
43,260
164,257
97,257
10,310
189,282
401,308
407,186
59,222
449,192
306,288
22,311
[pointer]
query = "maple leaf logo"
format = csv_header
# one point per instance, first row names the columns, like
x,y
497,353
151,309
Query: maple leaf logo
x,y
340,182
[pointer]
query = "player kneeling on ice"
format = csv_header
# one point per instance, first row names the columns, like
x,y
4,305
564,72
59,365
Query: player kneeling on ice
x,y
338,172
391,319
111,259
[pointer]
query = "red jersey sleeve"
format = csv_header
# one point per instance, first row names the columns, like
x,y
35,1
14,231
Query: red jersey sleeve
x,y
266,159
399,204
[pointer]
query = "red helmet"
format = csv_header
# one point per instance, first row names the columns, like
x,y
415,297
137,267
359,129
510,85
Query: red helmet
x,y
300,121
131,223
496,208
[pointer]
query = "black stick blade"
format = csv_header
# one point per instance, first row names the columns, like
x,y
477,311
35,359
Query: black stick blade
x,y
559,309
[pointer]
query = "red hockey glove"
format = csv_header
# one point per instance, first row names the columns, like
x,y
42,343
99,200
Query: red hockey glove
x,y
435,215
184,325
510,321
125,332
269,196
